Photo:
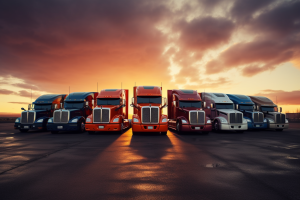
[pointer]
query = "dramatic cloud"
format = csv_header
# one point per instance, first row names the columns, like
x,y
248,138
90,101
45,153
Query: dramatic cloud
x,y
283,97
6,92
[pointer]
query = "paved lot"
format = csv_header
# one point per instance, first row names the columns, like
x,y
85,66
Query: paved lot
x,y
252,165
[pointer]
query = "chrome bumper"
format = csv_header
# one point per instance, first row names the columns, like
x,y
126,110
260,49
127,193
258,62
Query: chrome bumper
x,y
234,127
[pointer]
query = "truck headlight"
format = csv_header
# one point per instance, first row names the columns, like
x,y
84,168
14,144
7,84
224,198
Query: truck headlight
x,y
265,120
135,120
17,120
88,120
50,120
74,120
286,121
40,120
271,121
116,120
208,121
248,120
184,121
223,121
164,120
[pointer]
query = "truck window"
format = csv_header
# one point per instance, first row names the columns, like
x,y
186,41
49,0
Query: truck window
x,y
42,106
149,100
246,107
102,102
74,105
190,104
268,108
224,106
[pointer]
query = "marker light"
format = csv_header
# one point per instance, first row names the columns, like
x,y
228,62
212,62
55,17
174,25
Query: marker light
x,y
208,121
50,120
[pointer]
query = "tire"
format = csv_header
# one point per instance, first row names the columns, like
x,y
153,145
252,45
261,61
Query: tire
x,y
54,132
216,126
24,130
279,130
163,133
178,128
81,126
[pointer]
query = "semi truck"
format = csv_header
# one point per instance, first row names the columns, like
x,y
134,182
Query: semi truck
x,y
71,117
185,112
147,106
244,104
37,115
111,112
220,110
276,120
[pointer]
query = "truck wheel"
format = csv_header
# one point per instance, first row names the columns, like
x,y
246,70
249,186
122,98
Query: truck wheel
x,y
216,126
81,127
163,133
279,130
54,132
23,130
178,127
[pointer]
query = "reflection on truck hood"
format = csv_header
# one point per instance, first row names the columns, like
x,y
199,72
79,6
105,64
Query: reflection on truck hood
x,y
228,111
41,113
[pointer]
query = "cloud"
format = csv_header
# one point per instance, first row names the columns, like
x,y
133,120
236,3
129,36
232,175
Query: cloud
x,y
6,92
22,93
283,97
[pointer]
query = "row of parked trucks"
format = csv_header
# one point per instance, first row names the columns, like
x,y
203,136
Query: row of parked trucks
x,y
188,111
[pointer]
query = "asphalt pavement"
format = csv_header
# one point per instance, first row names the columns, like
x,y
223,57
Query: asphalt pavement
x,y
68,165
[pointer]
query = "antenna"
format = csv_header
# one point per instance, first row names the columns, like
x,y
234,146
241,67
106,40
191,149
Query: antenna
x,y
134,83
69,89
160,84
276,100
31,95
121,86
97,86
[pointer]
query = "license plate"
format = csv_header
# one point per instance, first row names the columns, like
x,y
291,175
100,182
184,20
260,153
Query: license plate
x,y
101,127
257,125
59,127
26,126
150,127
197,128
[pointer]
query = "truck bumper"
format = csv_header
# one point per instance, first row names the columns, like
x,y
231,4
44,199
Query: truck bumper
x,y
278,126
145,127
257,125
34,126
103,127
62,127
196,128
233,127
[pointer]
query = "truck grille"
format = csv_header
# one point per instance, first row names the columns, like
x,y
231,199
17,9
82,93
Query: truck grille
x,y
258,117
280,118
236,118
101,115
61,116
150,114
27,117
197,117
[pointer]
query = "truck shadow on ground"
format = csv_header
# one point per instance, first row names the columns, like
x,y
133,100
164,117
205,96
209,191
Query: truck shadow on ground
x,y
109,132
188,133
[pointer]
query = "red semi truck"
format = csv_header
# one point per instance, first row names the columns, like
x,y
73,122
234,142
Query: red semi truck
x,y
185,112
147,110
111,112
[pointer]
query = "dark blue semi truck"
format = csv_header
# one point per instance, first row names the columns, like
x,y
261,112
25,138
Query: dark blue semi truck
x,y
36,118
255,119
77,106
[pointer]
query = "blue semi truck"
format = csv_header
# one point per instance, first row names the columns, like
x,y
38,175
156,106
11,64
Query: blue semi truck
x,y
37,115
77,106
255,119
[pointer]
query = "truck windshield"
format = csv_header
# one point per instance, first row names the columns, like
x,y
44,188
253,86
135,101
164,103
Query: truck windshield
x,y
190,104
224,106
73,105
115,101
149,100
42,106
246,107
269,108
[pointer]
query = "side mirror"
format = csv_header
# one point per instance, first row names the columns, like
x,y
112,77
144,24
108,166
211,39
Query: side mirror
x,y
29,106
124,102
55,106
93,103
23,109
254,107
280,109
204,104
237,106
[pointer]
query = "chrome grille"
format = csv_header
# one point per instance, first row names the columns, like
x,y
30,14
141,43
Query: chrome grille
x,y
277,118
56,117
150,114
101,115
31,117
64,116
261,117
197,117
255,117
24,117
282,118
61,116
258,117
236,118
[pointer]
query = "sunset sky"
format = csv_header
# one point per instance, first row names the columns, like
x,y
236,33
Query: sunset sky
x,y
249,47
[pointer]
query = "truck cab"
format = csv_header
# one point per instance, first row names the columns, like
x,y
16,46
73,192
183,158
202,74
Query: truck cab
x,y
244,104
276,120
185,112
111,112
221,111
77,106
37,115
147,110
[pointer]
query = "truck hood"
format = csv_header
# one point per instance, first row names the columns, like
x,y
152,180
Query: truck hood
x,y
41,113
75,113
228,111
